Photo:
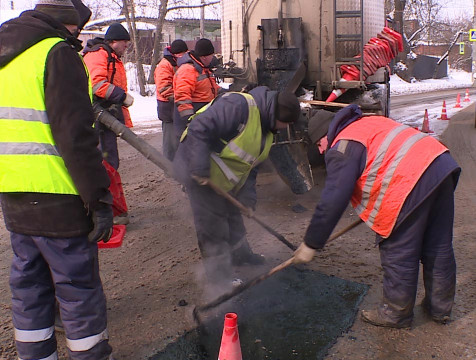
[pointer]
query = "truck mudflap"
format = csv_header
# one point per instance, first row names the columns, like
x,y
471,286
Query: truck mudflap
x,y
291,163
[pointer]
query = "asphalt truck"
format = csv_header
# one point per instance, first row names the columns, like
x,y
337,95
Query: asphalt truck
x,y
329,52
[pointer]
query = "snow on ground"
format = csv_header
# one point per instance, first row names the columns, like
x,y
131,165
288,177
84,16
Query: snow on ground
x,y
414,115
144,109
455,79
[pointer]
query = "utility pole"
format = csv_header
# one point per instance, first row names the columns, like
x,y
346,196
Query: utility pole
x,y
202,20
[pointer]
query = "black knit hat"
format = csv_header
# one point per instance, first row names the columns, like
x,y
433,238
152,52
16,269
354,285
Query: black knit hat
x,y
288,108
178,46
83,11
204,47
319,124
60,10
116,32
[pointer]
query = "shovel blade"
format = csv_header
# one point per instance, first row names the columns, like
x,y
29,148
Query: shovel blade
x,y
292,165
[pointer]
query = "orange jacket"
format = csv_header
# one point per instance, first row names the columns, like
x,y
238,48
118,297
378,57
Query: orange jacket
x,y
164,79
193,83
397,156
101,72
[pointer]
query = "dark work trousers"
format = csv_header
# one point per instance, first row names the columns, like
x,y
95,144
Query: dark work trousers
x,y
108,146
180,123
220,230
66,268
165,111
426,236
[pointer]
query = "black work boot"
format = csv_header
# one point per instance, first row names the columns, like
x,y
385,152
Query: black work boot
x,y
244,256
440,319
382,316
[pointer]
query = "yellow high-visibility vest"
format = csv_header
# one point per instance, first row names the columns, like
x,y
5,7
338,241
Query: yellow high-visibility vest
x,y
230,168
29,159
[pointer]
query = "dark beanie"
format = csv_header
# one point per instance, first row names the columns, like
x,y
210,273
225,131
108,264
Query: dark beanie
x,y
319,125
83,11
204,47
116,32
60,10
288,108
178,46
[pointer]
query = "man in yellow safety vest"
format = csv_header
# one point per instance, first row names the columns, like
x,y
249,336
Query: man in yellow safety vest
x,y
53,186
224,143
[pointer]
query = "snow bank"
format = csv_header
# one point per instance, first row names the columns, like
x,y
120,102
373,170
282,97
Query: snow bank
x,y
455,79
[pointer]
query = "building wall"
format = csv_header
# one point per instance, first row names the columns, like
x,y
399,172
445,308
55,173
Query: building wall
x,y
455,60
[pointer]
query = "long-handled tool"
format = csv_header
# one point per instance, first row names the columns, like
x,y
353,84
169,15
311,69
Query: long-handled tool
x,y
150,153
239,289
248,213
158,159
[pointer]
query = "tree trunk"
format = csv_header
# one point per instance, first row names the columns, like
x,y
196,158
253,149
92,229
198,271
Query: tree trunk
x,y
158,38
399,8
131,22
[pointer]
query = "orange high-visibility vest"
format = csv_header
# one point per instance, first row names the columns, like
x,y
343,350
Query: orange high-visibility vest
x,y
397,156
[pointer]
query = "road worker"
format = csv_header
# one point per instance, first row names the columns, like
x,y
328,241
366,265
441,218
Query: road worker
x,y
194,83
225,149
109,81
53,187
401,183
164,78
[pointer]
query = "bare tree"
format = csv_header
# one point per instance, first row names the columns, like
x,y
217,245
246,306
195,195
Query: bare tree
x,y
162,12
129,12
426,13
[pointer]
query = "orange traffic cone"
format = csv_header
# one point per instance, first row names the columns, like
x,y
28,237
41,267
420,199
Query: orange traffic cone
x,y
466,96
230,341
426,124
444,116
458,101
338,92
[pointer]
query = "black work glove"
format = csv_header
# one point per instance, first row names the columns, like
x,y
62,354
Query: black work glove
x,y
184,119
102,220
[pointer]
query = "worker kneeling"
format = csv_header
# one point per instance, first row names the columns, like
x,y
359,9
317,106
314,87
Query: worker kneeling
x,y
223,144
401,183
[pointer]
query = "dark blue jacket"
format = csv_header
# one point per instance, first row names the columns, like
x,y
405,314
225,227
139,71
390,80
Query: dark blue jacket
x,y
343,171
222,121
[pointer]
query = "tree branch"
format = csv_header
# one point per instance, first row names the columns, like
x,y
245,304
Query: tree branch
x,y
192,6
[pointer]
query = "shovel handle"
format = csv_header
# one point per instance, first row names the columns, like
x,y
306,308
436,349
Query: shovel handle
x,y
239,289
247,212
344,230
242,287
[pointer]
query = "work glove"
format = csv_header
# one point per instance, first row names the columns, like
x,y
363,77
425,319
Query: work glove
x,y
128,101
184,119
303,254
103,222
248,87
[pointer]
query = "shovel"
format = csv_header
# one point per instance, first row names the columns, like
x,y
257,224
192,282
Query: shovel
x,y
158,159
242,287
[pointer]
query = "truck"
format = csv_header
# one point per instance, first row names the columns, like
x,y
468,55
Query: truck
x,y
322,50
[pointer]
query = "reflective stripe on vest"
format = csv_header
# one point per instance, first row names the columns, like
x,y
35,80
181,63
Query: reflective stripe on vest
x,y
231,167
86,343
33,336
29,159
397,156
